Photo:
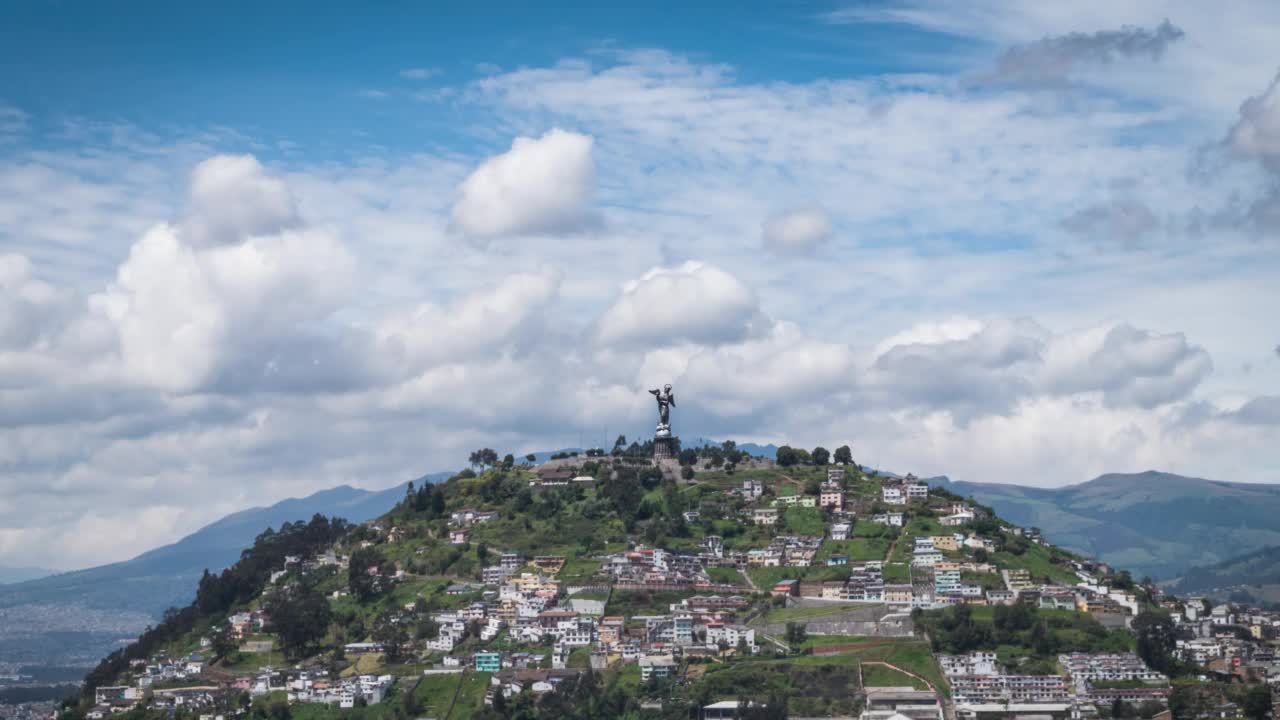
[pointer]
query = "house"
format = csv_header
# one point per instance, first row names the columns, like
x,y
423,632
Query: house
x,y
945,542
840,530
957,519
458,537
786,587
837,560
727,709
1000,597
894,519
764,516
831,495
926,558
801,500
657,666
691,516
893,495
916,491
898,595
489,662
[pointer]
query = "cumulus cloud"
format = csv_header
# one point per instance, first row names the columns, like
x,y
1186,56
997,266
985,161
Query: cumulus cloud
x,y
541,185
1256,132
231,198
237,279
29,308
798,232
977,368
1052,60
689,303
471,326
1129,366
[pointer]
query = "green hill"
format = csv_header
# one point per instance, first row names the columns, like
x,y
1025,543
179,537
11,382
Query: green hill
x,y
1253,576
340,601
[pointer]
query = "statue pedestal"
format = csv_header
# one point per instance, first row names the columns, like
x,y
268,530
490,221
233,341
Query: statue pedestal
x,y
665,447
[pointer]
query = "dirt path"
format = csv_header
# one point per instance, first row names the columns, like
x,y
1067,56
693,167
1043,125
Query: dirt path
x,y
947,709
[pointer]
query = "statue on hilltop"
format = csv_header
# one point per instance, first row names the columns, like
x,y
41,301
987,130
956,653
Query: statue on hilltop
x,y
666,400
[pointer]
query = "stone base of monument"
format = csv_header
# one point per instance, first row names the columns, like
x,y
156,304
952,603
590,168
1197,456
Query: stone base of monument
x,y
665,447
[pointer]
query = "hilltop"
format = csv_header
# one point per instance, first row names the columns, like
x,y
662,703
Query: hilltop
x,y
1153,523
599,584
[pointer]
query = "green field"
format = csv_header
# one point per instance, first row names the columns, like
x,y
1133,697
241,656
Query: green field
x,y
795,614
881,676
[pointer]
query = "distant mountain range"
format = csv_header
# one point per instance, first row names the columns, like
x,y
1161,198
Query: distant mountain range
x,y
22,574
1152,523
116,597
1256,574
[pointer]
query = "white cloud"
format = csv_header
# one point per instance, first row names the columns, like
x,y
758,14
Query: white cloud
x,y
542,185
231,198
1256,134
690,303
30,310
319,324
797,232
977,368
419,73
481,322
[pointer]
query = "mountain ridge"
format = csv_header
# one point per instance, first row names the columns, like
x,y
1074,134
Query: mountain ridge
x,y
1153,522
102,601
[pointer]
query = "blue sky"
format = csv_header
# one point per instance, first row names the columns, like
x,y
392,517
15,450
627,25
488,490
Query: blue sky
x,y
296,70
250,251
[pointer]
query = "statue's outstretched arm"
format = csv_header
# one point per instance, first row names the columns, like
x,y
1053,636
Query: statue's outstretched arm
x,y
673,399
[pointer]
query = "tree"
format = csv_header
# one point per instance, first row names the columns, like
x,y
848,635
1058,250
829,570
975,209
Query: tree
x,y
687,473
531,457
786,456
362,583
508,461
224,643
795,634
821,456
392,636
1257,703
688,456
301,619
484,457
1156,640
843,456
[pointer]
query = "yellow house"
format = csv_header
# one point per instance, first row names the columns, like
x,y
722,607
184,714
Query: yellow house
x,y
945,542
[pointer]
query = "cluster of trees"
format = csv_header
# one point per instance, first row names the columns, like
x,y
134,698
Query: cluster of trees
x,y
580,698
956,630
1200,699
218,593
795,634
428,500
366,573
788,456
300,616
1157,640
725,455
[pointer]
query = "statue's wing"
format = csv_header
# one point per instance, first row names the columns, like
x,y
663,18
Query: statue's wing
x,y
673,399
